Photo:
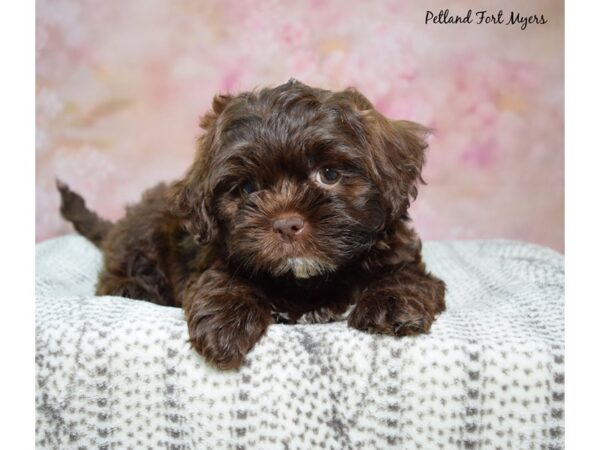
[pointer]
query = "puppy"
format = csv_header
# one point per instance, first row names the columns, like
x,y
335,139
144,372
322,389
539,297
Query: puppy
x,y
293,211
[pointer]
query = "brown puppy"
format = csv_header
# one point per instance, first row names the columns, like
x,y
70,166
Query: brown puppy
x,y
294,210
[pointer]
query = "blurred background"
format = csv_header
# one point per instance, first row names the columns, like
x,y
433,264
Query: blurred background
x,y
121,86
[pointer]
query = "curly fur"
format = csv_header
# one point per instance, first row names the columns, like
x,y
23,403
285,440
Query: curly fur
x,y
207,245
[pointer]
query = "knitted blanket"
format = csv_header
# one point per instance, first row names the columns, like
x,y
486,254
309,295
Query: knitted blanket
x,y
118,373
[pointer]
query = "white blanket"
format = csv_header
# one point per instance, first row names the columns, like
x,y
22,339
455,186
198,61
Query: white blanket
x,y
117,373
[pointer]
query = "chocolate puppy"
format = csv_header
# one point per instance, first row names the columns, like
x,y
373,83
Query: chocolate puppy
x,y
294,210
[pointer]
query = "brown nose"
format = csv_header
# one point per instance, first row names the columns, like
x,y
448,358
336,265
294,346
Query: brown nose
x,y
288,226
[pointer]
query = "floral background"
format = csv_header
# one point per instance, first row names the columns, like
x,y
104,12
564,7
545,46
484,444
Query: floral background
x,y
121,86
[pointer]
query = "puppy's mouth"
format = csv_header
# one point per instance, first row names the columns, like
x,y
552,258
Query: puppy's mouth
x,y
288,246
296,260
303,268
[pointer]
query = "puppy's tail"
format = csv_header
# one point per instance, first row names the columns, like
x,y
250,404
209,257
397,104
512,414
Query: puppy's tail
x,y
86,222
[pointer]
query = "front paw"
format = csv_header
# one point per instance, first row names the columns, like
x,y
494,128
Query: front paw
x,y
224,335
396,315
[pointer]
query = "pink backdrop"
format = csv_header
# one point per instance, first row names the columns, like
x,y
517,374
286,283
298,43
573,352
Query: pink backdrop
x,y
121,85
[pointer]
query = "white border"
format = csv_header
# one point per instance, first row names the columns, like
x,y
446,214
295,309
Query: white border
x,y
17,236
582,224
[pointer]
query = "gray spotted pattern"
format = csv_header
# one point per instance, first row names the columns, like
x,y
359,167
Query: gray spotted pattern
x,y
114,373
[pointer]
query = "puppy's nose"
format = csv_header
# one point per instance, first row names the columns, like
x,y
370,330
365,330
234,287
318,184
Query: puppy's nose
x,y
288,226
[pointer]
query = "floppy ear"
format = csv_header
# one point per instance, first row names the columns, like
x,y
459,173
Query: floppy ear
x,y
191,197
397,152
190,203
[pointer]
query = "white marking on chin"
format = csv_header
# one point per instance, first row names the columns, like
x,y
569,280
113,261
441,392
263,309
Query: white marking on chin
x,y
305,267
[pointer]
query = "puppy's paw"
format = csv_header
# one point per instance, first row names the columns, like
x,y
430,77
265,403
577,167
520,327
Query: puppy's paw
x,y
394,315
225,336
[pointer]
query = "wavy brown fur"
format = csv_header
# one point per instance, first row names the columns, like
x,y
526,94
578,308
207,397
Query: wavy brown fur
x,y
208,242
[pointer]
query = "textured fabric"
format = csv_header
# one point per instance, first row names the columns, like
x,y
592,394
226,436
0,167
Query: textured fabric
x,y
118,373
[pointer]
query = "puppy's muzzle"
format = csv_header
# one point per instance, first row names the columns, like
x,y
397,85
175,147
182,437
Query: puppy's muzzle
x,y
288,226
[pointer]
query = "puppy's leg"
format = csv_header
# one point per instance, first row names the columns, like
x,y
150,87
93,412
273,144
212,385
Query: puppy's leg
x,y
136,288
225,317
403,303
139,253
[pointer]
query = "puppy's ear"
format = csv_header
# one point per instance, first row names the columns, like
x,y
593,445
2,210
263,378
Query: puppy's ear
x,y
191,197
397,152
190,202
219,103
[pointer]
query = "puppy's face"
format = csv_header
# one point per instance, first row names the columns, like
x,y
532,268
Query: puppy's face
x,y
298,181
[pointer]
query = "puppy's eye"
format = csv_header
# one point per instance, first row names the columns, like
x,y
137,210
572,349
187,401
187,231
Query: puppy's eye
x,y
248,187
328,176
